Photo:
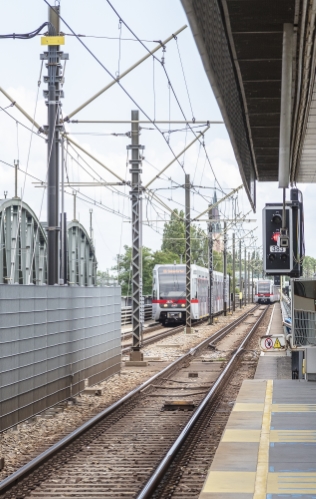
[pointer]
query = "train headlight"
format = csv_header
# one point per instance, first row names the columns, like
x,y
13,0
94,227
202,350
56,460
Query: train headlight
x,y
165,305
183,305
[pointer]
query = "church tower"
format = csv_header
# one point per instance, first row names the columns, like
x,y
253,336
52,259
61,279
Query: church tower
x,y
217,228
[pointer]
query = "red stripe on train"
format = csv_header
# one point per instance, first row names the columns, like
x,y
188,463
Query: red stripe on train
x,y
174,301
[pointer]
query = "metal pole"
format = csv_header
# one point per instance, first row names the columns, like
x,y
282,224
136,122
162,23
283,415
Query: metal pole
x,y
187,255
234,276
245,272
65,249
136,354
210,266
248,272
62,232
16,165
240,279
225,270
91,225
286,106
252,284
53,104
229,293
75,205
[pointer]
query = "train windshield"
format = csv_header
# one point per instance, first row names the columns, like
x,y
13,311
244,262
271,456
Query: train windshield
x,y
171,282
264,287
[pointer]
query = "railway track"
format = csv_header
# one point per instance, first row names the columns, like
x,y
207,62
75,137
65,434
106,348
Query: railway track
x,y
115,453
149,337
163,332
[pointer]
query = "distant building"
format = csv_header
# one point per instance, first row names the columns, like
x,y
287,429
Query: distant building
x,y
217,228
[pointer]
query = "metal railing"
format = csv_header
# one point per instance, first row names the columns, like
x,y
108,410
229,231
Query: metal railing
x,y
126,314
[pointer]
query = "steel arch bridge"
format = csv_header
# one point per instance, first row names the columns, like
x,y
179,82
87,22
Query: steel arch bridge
x,y
23,248
82,262
23,244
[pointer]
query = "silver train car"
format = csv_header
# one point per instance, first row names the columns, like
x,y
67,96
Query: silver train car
x,y
168,302
266,291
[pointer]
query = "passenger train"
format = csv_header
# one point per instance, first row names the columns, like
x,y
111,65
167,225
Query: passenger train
x,y
169,298
266,292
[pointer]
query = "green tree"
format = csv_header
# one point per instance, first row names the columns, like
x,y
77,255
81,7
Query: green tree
x,y
309,266
173,234
173,239
104,278
149,259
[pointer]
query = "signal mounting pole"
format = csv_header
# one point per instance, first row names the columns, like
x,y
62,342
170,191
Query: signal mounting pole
x,y
137,291
187,255
225,270
210,266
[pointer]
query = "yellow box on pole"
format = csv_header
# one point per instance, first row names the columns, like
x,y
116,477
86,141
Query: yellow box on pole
x,y
52,40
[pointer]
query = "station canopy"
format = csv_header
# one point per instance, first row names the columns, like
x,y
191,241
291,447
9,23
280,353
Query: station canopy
x,y
240,43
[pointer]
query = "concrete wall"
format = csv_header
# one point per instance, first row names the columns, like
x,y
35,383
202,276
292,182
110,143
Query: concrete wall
x,y
52,339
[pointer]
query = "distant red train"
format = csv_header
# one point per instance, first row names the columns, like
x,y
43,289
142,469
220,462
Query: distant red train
x,y
266,291
169,297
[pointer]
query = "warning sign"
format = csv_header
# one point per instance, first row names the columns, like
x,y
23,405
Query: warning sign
x,y
268,343
273,342
277,343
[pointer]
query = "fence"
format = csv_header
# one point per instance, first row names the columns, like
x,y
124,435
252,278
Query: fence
x,y
126,317
53,338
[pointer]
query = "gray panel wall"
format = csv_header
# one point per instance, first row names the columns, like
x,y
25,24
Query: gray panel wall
x,y
52,338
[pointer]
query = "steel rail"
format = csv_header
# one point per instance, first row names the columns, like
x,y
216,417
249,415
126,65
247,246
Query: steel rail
x,y
42,458
164,465
166,333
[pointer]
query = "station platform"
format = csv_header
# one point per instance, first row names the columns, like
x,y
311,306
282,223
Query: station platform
x,y
268,448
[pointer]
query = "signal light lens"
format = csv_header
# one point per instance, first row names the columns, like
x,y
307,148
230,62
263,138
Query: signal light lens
x,y
275,236
277,219
271,257
284,257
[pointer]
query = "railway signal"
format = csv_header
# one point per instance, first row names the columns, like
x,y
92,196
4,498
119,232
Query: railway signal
x,y
283,241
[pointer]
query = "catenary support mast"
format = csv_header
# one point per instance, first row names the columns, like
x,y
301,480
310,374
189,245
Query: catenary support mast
x,y
53,104
137,294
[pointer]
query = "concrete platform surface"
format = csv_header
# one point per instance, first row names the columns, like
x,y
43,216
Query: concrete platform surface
x,y
268,449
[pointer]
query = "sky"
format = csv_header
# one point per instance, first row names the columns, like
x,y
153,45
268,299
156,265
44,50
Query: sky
x,y
146,87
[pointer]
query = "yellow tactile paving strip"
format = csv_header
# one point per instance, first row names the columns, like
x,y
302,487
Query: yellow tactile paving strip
x,y
291,483
261,483
263,454
293,407
274,435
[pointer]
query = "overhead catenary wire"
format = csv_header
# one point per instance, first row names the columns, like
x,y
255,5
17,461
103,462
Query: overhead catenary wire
x,y
200,146
120,84
168,79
